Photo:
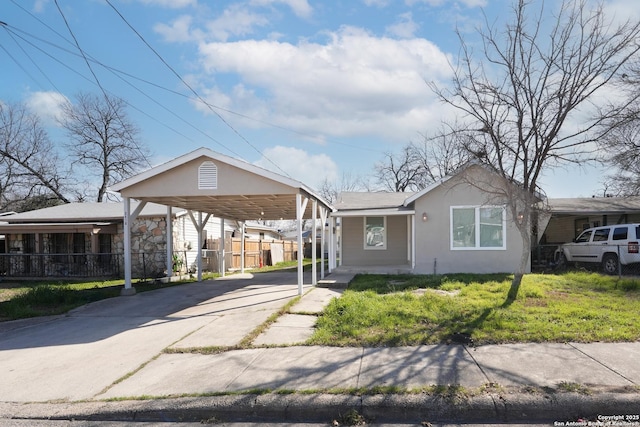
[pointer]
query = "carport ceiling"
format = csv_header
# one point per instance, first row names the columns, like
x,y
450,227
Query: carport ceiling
x,y
239,207
242,191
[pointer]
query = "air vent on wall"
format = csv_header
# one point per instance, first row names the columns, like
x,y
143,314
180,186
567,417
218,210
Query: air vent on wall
x,y
207,176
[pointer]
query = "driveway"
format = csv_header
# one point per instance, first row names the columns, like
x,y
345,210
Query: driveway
x,y
80,355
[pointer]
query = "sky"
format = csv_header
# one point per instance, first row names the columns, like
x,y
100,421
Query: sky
x,y
308,89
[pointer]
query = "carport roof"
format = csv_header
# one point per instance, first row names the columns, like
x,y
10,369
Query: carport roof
x,y
594,205
242,192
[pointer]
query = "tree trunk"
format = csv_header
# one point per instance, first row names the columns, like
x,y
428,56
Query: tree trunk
x,y
525,259
515,287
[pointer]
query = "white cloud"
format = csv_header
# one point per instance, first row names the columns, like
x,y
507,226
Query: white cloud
x,y
377,3
300,8
310,169
406,27
39,5
46,105
172,4
178,31
467,3
621,10
236,20
354,84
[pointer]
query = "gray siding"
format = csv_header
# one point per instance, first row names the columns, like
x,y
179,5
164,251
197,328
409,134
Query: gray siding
x,y
354,254
433,237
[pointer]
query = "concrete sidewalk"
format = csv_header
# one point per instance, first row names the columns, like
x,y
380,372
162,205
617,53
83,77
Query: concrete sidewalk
x,y
523,382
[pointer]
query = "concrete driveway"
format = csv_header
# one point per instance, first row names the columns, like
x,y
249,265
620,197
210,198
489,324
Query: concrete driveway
x,y
80,355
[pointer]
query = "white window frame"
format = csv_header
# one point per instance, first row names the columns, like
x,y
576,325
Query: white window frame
x,y
384,233
477,246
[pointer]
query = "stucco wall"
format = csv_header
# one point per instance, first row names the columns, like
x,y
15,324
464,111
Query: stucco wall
x,y
433,237
354,254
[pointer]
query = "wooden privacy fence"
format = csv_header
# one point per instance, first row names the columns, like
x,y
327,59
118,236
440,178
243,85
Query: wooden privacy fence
x,y
257,253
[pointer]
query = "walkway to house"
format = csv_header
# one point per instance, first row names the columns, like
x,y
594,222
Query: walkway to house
x,y
142,346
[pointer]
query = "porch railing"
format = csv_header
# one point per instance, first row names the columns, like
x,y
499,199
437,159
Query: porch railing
x,y
61,265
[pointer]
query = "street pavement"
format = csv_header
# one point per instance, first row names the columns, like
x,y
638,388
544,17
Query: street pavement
x,y
164,355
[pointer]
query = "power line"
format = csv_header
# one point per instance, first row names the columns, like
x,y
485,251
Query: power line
x,y
115,71
120,73
104,92
193,90
209,105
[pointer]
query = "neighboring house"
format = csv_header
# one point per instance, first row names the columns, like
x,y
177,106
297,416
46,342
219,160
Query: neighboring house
x,y
254,231
86,239
570,217
451,226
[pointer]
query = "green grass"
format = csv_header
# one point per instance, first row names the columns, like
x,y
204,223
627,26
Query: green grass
x,y
41,298
378,310
22,299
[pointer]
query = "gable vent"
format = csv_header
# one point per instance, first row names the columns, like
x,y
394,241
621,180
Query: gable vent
x,y
208,176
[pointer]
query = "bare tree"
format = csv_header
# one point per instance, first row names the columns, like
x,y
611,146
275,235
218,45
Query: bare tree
x,y
440,154
103,139
30,175
525,98
401,172
329,190
622,150
621,147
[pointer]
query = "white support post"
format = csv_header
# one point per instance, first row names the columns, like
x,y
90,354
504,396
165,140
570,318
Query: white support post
x,y
301,206
323,218
332,249
242,248
199,252
128,289
413,242
169,232
314,241
221,250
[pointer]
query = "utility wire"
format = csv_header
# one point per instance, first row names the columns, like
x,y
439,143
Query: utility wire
x,y
209,105
117,73
104,92
193,90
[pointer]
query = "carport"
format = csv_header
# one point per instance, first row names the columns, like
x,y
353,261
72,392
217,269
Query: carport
x,y
206,183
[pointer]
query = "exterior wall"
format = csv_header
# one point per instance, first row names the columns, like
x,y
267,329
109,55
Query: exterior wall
x,y
183,180
354,254
433,237
563,229
148,246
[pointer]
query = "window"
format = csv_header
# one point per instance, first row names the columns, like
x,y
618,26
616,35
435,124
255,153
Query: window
x,y
601,235
584,237
375,232
478,228
620,233
104,249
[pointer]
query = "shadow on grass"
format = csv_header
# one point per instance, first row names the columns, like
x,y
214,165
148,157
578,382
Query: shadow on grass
x,y
387,283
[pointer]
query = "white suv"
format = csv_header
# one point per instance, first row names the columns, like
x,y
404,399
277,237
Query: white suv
x,y
609,245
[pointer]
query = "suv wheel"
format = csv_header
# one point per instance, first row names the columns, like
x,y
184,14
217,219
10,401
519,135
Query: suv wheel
x,y
610,264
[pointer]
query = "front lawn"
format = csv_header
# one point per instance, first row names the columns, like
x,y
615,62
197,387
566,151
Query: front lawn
x,y
21,299
380,310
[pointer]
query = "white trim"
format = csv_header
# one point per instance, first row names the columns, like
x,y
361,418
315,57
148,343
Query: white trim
x,y
373,212
477,209
384,235
206,152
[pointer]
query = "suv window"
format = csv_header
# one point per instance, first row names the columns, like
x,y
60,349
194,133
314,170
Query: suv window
x,y
620,233
637,232
601,235
584,237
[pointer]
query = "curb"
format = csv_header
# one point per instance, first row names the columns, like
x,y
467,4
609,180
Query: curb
x,y
489,407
